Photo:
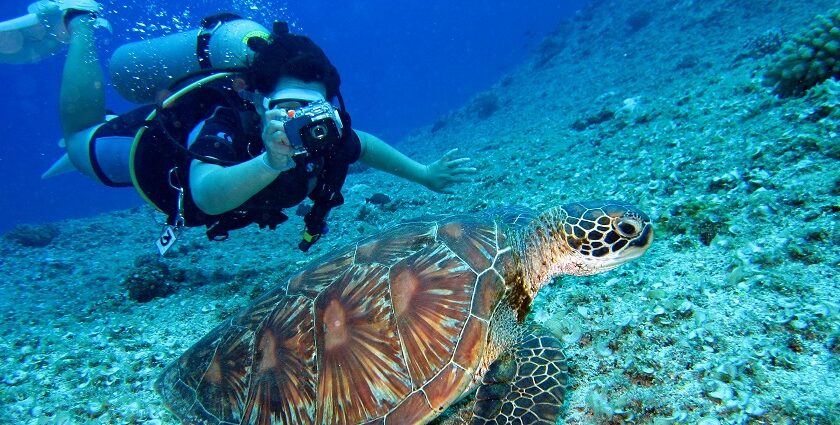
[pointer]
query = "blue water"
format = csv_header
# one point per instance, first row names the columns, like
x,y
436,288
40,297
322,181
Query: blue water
x,y
401,67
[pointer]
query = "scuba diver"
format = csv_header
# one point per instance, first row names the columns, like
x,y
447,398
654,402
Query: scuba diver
x,y
237,123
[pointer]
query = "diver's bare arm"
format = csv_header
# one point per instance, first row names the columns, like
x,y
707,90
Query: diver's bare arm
x,y
217,189
380,155
440,176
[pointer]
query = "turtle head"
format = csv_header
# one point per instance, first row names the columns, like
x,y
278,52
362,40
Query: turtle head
x,y
579,239
600,236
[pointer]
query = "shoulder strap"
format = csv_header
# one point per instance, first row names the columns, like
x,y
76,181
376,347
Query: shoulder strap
x,y
208,27
327,193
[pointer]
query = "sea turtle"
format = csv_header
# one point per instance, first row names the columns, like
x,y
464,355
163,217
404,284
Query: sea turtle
x,y
399,327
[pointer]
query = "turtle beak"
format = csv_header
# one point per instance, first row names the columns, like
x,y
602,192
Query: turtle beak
x,y
634,249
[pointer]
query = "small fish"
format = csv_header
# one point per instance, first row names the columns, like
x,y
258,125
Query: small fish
x,y
378,199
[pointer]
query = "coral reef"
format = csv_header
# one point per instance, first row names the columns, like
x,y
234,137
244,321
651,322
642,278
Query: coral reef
x,y
596,118
485,105
764,44
152,278
549,48
810,58
824,99
33,235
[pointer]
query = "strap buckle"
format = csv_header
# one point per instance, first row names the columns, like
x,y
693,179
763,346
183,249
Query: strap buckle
x,y
310,236
171,232
308,240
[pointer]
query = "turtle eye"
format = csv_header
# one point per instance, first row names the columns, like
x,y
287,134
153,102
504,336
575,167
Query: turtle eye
x,y
628,227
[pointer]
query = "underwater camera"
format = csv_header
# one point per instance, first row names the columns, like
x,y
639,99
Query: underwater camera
x,y
312,127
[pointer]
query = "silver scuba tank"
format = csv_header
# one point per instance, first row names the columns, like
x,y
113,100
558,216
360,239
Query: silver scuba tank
x,y
141,71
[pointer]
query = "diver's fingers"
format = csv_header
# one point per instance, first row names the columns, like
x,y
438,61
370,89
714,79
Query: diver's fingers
x,y
464,170
273,114
458,161
273,126
449,153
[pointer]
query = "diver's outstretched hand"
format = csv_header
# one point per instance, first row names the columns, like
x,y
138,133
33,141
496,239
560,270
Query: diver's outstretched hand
x,y
442,174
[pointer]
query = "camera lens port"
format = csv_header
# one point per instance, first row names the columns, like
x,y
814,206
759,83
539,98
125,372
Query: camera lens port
x,y
319,132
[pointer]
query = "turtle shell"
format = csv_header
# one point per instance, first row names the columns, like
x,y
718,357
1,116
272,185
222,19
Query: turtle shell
x,y
388,330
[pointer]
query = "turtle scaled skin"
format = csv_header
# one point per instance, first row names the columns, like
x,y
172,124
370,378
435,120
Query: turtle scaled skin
x,y
400,326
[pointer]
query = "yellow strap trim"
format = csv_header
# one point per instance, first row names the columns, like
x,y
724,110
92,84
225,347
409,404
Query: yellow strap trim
x,y
255,33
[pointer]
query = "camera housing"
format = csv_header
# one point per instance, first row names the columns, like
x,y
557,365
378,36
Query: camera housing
x,y
313,127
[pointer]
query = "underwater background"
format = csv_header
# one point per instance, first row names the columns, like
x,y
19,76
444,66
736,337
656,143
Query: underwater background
x,y
720,118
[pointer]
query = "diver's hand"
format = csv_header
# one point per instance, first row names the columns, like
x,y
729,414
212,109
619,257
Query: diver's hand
x,y
276,142
445,172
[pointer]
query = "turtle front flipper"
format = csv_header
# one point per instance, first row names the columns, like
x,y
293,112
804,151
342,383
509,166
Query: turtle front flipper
x,y
527,384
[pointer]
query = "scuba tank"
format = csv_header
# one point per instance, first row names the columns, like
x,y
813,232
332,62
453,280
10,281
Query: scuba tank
x,y
142,71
